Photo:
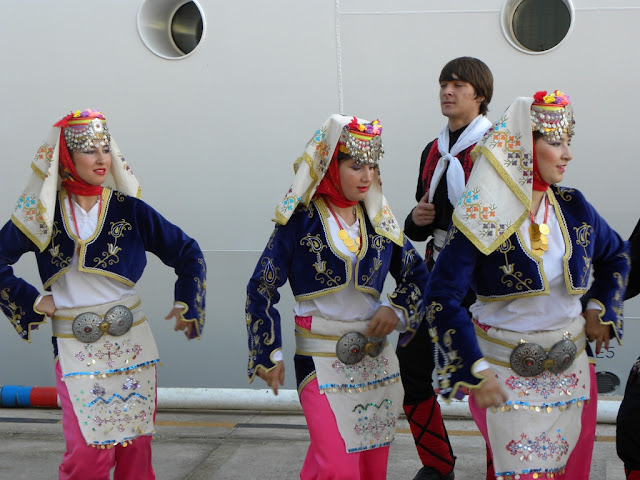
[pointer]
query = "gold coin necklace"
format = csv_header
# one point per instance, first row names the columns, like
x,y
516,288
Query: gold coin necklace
x,y
538,233
352,245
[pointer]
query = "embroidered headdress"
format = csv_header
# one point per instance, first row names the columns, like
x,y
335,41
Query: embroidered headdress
x,y
552,115
52,165
497,197
361,140
85,129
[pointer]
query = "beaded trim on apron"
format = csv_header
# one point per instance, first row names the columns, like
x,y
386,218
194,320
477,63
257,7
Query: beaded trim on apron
x,y
366,396
538,427
112,381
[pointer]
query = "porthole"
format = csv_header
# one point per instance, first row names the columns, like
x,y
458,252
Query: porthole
x,y
171,29
537,26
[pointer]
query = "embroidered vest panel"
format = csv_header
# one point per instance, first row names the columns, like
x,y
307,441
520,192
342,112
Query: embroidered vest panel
x,y
318,268
512,270
117,238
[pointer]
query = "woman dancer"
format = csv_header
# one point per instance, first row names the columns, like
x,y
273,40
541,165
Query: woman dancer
x,y
336,240
80,215
527,248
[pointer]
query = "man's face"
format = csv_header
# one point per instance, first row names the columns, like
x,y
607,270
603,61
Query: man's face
x,y
458,100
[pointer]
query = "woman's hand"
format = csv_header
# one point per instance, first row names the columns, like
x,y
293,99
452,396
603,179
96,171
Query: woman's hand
x,y
383,322
596,330
47,305
490,393
176,312
273,377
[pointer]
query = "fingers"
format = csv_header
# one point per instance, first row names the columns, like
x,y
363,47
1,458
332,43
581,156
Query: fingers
x,y
273,377
379,328
424,213
598,345
373,329
425,197
189,329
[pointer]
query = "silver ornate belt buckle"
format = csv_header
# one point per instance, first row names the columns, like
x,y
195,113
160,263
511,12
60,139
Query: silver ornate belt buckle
x,y
354,346
527,359
88,327
562,354
530,359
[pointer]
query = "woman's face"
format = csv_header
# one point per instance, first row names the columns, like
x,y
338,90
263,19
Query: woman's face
x,y
356,179
93,164
553,157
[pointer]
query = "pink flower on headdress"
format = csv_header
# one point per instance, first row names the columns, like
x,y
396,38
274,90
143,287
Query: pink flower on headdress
x,y
373,128
555,98
561,98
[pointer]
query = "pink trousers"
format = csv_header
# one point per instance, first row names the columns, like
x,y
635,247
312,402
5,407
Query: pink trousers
x,y
579,462
327,458
83,462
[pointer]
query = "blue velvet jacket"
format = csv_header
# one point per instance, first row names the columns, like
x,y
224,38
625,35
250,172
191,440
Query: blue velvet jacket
x,y
512,271
303,252
127,228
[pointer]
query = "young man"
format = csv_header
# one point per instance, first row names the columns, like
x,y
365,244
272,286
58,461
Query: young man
x,y
466,88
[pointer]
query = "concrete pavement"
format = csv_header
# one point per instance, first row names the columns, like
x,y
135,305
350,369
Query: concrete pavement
x,y
245,445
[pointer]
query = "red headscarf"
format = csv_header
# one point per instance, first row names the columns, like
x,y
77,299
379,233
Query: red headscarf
x,y
71,181
538,183
330,186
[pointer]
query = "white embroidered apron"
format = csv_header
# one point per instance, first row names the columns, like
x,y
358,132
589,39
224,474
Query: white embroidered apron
x,y
538,427
365,397
112,381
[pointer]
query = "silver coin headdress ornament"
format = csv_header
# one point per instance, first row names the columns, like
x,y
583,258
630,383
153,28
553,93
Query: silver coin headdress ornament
x,y
362,141
552,115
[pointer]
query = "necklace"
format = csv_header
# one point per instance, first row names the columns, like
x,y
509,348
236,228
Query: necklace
x,y
538,233
75,222
352,245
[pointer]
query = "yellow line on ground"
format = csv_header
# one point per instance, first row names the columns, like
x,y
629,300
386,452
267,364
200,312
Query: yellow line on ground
x,y
196,424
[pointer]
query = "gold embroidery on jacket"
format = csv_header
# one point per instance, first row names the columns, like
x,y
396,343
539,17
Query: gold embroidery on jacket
x,y
323,273
618,299
446,359
267,290
565,194
57,258
582,239
510,277
377,242
411,292
451,233
111,255
16,311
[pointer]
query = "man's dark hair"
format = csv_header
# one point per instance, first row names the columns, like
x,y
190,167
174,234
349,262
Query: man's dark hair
x,y
474,71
